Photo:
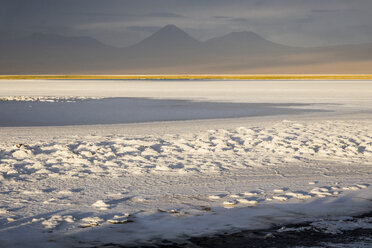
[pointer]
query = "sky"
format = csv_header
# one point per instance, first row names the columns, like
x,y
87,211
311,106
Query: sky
x,y
124,22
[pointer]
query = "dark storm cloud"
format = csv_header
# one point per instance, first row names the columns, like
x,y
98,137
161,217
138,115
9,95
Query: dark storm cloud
x,y
165,15
325,10
124,22
239,19
150,29
51,29
221,17
115,15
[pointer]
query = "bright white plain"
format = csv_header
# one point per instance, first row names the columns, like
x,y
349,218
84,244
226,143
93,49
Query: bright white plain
x,y
73,184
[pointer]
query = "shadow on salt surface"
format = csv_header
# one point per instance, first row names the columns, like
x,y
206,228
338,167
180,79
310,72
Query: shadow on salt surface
x,y
135,110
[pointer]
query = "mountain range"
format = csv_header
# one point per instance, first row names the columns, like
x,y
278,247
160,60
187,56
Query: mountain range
x,y
172,51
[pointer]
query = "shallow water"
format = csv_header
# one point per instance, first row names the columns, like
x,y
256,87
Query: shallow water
x,y
297,235
134,110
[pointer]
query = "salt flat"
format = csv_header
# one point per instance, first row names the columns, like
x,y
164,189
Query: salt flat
x,y
91,185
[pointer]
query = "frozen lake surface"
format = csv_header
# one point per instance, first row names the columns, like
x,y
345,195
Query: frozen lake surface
x,y
85,102
134,110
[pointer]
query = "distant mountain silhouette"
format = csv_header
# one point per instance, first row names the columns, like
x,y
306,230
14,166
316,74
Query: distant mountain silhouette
x,y
171,50
56,43
245,41
49,53
169,37
168,46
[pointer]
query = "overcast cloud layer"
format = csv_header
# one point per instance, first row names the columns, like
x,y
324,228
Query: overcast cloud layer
x,y
125,22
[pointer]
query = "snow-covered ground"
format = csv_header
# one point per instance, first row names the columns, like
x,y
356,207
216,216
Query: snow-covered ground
x,y
93,185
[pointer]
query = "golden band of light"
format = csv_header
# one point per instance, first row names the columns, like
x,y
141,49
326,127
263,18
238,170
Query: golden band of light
x,y
196,77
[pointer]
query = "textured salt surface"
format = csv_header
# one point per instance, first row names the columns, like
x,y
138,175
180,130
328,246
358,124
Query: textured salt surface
x,y
164,185
92,186
213,151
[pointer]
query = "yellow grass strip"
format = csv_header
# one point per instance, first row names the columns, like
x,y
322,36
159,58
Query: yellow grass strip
x,y
196,77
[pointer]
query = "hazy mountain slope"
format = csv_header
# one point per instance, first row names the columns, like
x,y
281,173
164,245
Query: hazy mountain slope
x,y
171,50
170,38
247,43
46,53
170,46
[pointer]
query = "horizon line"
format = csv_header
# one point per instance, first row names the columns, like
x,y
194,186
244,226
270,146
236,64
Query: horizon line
x,y
190,77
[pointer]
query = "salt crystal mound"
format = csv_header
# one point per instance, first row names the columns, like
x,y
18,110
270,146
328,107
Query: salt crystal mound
x,y
213,151
101,205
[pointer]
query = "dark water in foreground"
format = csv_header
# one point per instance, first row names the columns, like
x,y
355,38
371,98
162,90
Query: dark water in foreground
x,y
133,110
299,235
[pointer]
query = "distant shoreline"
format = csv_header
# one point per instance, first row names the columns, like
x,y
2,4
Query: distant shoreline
x,y
197,77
